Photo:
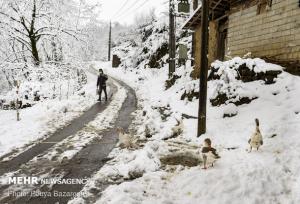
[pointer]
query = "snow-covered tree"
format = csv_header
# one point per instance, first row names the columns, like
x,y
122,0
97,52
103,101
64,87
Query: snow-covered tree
x,y
43,29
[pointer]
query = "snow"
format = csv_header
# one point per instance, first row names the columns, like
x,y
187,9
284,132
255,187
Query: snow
x,y
230,109
69,147
257,64
270,175
43,118
137,161
138,175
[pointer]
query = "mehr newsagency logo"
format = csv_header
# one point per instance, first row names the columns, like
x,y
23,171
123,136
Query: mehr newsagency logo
x,y
18,180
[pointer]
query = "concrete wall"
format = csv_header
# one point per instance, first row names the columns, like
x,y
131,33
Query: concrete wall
x,y
274,33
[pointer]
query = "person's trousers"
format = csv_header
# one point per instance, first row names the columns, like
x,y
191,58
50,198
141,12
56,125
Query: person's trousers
x,y
102,88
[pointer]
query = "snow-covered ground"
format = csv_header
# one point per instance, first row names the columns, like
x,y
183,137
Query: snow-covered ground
x,y
270,175
43,118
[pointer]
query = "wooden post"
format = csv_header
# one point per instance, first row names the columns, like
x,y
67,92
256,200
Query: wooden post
x,y
172,40
53,95
68,89
17,84
109,42
203,69
60,96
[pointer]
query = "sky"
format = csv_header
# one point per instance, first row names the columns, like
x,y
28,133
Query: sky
x,y
124,11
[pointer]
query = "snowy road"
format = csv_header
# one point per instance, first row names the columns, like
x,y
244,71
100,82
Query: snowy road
x,y
76,151
75,126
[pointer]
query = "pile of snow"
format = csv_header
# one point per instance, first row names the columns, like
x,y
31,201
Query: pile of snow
x,y
132,164
230,110
236,81
231,68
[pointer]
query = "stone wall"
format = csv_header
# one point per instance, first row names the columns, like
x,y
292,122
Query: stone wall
x,y
274,33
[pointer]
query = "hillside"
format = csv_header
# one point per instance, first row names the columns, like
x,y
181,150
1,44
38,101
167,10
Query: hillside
x,y
147,44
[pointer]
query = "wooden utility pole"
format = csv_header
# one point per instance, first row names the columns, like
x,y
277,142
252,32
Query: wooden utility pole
x,y
172,40
203,69
109,42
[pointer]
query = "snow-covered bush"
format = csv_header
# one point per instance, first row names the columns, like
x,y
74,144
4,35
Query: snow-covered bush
x,y
231,78
246,70
46,81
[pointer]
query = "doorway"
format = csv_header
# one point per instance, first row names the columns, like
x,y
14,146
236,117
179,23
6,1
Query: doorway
x,y
222,38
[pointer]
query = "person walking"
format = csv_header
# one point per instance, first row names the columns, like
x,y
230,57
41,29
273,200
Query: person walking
x,y
101,84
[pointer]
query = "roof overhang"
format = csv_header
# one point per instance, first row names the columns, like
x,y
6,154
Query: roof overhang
x,y
194,20
217,10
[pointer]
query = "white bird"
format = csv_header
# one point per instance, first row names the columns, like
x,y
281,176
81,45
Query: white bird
x,y
178,129
256,140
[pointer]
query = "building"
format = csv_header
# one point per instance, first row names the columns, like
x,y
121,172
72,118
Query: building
x,y
268,29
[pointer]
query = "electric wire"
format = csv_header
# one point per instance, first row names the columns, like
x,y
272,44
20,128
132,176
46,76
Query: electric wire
x,y
121,8
133,8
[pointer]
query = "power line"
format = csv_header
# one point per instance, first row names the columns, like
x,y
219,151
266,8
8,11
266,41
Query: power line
x,y
133,8
130,7
121,8
143,4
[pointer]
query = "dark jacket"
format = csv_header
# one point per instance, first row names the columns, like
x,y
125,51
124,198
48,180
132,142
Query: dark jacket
x,y
101,82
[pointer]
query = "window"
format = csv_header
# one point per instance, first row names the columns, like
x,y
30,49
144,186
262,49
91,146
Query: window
x,y
263,6
270,3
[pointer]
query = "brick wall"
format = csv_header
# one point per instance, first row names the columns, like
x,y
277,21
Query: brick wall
x,y
274,33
